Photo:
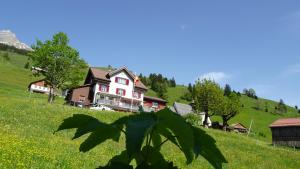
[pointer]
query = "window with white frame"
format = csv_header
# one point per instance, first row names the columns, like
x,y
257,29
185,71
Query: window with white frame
x,y
154,104
120,92
122,81
103,88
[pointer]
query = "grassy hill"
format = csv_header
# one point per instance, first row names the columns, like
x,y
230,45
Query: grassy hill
x,y
27,124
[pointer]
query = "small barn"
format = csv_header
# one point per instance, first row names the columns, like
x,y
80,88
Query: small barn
x,y
182,109
238,127
80,95
153,104
286,132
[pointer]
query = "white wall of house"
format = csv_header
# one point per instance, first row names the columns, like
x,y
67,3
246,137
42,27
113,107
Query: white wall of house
x,y
128,88
43,89
113,86
202,115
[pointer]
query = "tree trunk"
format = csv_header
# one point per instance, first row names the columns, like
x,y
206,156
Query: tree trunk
x,y
225,124
205,119
51,95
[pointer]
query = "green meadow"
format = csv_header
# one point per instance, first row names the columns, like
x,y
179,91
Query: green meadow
x,y
27,123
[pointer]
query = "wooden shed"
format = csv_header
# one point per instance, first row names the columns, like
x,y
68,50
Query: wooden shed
x,y
81,94
286,132
238,127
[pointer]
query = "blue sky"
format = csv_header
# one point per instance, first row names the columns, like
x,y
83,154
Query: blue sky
x,y
244,43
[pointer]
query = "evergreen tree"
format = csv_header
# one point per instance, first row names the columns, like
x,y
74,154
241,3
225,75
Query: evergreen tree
x,y
26,66
281,107
227,90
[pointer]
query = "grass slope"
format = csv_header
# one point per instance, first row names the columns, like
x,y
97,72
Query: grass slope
x,y
27,124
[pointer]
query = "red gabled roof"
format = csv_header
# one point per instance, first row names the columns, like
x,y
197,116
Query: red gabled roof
x,y
286,122
99,74
105,75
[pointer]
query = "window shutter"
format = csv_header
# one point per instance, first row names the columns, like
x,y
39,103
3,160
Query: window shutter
x,y
107,88
117,91
127,81
116,79
124,93
99,87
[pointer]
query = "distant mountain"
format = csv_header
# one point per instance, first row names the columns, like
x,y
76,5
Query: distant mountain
x,y
9,38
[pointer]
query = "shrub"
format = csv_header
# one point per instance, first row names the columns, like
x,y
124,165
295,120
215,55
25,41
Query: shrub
x,y
5,56
193,119
262,134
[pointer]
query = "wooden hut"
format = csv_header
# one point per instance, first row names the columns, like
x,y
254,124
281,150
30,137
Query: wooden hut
x,y
286,132
238,127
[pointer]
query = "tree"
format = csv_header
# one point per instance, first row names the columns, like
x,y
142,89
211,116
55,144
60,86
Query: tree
x,y
190,88
162,90
5,56
281,107
257,105
60,63
296,107
227,90
26,66
250,93
145,134
266,106
208,98
172,82
231,108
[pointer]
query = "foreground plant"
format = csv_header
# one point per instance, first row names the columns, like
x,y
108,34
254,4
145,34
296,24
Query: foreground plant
x,y
145,134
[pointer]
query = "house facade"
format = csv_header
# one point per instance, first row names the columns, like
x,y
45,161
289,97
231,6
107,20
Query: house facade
x,y
153,104
119,89
39,86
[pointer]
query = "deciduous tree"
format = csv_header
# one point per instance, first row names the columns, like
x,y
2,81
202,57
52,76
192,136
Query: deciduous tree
x,y
60,64
230,108
208,98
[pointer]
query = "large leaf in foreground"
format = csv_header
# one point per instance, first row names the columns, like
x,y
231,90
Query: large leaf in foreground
x,y
181,130
206,146
84,124
137,127
99,135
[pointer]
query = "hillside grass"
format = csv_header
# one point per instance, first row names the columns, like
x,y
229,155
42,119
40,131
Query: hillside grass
x,y
27,123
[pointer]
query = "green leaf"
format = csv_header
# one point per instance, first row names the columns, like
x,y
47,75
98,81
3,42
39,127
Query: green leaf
x,y
205,146
161,129
83,123
156,139
99,135
181,130
137,127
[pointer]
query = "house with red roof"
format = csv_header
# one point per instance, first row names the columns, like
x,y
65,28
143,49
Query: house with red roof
x,y
119,89
286,132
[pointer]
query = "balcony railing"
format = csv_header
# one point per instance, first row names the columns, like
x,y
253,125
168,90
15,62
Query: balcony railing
x,y
118,104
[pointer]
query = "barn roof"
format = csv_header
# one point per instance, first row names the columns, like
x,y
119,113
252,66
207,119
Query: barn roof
x,y
182,109
155,99
286,122
238,126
